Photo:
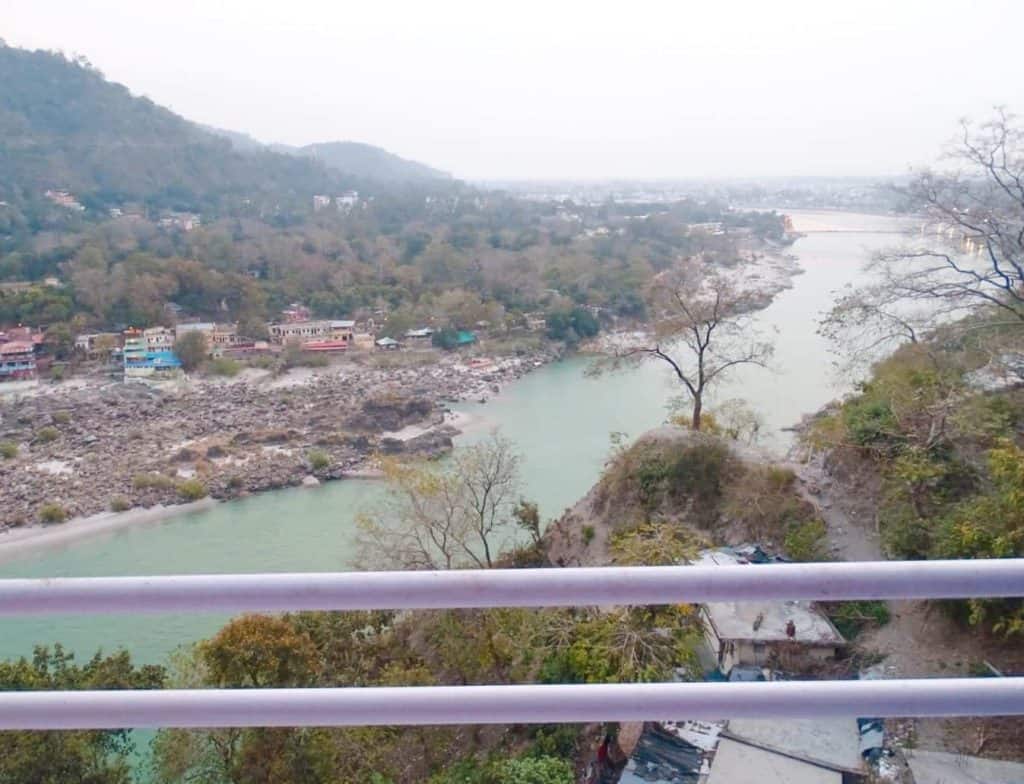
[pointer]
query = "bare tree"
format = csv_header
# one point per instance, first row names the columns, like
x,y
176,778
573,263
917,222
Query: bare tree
x,y
445,517
970,252
700,328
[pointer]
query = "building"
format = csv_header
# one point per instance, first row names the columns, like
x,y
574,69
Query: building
x,y
158,339
186,221
388,344
831,745
938,767
97,344
423,333
738,763
308,332
64,199
465,338
758,634
347,200
363,341
17,360
147,353
321,202
296,312
224,335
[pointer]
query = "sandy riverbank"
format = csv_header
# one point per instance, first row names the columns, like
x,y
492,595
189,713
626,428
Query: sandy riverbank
x,y
15,542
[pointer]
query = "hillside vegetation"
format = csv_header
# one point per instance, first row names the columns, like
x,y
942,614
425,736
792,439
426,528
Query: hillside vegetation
x,y
674,491
935,434
63,126
365,160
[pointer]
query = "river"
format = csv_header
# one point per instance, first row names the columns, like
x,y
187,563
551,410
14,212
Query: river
x,y
560,418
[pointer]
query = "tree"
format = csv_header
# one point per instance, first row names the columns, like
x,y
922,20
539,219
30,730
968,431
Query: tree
x,y
970,252
191,349
700,329
259,651
96,756
440,518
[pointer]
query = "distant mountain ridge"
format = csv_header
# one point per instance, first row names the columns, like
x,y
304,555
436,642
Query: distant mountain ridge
x,y
365,160
355,158
63,126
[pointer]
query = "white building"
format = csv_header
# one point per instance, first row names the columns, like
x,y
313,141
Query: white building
x,y
756,634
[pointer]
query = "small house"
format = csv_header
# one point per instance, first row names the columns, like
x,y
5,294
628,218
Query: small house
x,y
758,634
388,344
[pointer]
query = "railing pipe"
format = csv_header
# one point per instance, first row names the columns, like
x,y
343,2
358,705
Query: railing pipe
x,y
434,705
514,587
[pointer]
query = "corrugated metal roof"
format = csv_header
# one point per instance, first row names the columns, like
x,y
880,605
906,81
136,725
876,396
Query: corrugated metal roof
x,y
662,757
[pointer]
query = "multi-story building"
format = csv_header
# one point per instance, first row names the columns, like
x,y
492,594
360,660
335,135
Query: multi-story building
x,y
322,331
17,361
143,358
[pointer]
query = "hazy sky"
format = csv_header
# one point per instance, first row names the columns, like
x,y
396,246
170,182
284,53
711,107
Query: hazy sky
x,y
565,89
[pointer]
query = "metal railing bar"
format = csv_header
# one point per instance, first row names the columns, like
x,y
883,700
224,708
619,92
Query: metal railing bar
x,y
514,587
435,705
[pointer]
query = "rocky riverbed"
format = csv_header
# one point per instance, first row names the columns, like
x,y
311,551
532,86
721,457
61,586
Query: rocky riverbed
x,y
104,446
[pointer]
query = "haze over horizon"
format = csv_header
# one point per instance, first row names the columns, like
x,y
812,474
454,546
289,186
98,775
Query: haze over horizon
x,y
567,91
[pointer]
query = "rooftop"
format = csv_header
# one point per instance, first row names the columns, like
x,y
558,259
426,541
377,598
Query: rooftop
x,y
829,742
738,763
764,621
938,767
767,622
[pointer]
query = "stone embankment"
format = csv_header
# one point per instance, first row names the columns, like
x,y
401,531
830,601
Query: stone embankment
x,y
117,446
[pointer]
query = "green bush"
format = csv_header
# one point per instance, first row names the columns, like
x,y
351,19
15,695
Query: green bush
x,y
534,770
120,504
870,422
191,489
851,618
318,459
8,450
805,541
47,434
588,534
152,481
520,770
61,417
224,366
53,513
57,372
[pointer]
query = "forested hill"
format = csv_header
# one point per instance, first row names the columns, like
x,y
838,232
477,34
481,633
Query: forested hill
x,y
64,127
356,159
364,160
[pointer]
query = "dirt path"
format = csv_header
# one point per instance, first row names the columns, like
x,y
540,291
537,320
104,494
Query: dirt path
x,y
920,641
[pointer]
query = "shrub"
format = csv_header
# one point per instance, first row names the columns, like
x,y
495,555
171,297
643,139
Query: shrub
x,y
236,482
806,541
120,504
47,434
870,422
53,513
57,372
61,417
191,348
588,534
152,481
851,618
318,459
224,366
8,450
191,489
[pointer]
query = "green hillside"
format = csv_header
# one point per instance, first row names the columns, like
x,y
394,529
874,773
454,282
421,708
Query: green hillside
x,y
365,160
64,127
